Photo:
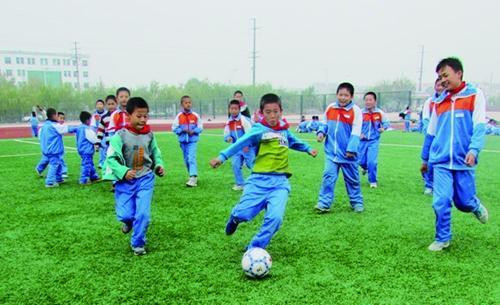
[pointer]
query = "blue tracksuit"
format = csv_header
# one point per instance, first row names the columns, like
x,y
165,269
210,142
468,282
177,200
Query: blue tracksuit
x,y
267,188
188,121
342,129
52,146
302,127
34,126
456,128
235,128
373,120
407,120
85,140
313,126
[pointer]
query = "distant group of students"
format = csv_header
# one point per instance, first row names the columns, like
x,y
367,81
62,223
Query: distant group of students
x,y
455,124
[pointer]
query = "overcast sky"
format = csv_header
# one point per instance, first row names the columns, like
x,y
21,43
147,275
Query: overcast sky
x,y
299,42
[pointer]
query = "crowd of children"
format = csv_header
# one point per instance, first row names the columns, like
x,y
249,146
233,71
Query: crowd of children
x,y
454,120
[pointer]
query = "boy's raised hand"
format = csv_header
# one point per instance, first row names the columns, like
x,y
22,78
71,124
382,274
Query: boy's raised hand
x,y
160,171
130,174
320,137
313,153
214,163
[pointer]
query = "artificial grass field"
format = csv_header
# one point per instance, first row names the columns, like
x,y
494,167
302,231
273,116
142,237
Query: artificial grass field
x,y
64,245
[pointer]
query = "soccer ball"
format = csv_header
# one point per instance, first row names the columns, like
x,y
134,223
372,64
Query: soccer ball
x,y
256,263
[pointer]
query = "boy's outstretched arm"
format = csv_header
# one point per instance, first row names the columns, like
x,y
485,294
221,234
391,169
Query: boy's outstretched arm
x,y
299,145
250,138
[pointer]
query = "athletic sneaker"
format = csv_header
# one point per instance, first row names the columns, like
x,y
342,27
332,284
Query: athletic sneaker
x,y
358,208
238,188
52,185
438,246
231,226
192,182
40,174
428,191
481,214
126,228
373,185
65,175
321,210
139,250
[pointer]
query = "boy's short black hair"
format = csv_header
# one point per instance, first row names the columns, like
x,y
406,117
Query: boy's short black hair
x,y
51,112
270,98
99,101
136,102
122,89
184,97
237,91
111,97
234,102
348,86
33,113
60,113
370,93
85,116
451,62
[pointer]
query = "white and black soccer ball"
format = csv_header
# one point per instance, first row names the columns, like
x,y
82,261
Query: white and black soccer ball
x,y
256,263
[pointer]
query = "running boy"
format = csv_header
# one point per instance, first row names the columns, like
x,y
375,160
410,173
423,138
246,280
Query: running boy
x,y
374,123
342,129
455,137
235,128
132,157
103,128
99,112
267,188
85,140
120,117
187,126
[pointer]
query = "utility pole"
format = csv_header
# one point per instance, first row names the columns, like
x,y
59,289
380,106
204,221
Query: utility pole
x,y
421,71
77,68
254,52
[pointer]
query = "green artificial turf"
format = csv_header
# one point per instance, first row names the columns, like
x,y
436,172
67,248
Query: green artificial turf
x,y
64,246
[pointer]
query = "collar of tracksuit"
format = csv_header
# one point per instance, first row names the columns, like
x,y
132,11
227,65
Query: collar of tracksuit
x,y
184,111
346,107
282,125
453,92
145,130
374,109
235,118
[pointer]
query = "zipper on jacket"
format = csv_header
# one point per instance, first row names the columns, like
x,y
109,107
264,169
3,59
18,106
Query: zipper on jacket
x,y
452,131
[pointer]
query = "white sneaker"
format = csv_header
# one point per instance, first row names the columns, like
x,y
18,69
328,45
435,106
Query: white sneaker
x,y
438,246
238,188
482,214
192,182
373,185
139,251
65,176
428,191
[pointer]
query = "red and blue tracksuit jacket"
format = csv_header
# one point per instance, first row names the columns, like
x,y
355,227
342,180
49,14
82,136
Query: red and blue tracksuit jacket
x,y
457,127
372,122
342,127
187,120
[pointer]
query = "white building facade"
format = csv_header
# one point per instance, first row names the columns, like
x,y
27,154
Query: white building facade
x,y
53,69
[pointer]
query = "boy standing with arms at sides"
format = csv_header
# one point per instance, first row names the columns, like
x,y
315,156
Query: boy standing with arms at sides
x,y
454,138
85,140
374,123
427,110
61,119
133,156
120,117
267,188
235,128
52,146
342,129
99,112
187,126
103,128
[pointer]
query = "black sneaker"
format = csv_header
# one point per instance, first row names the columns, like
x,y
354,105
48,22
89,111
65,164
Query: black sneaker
x,y
231,226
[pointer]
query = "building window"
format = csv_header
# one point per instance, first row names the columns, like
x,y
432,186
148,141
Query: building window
x,y
7,60
85,74
20,60
85,63
31,60
74,62
44,61
86,85
21,73
56,61
66,62
75,73
8,72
